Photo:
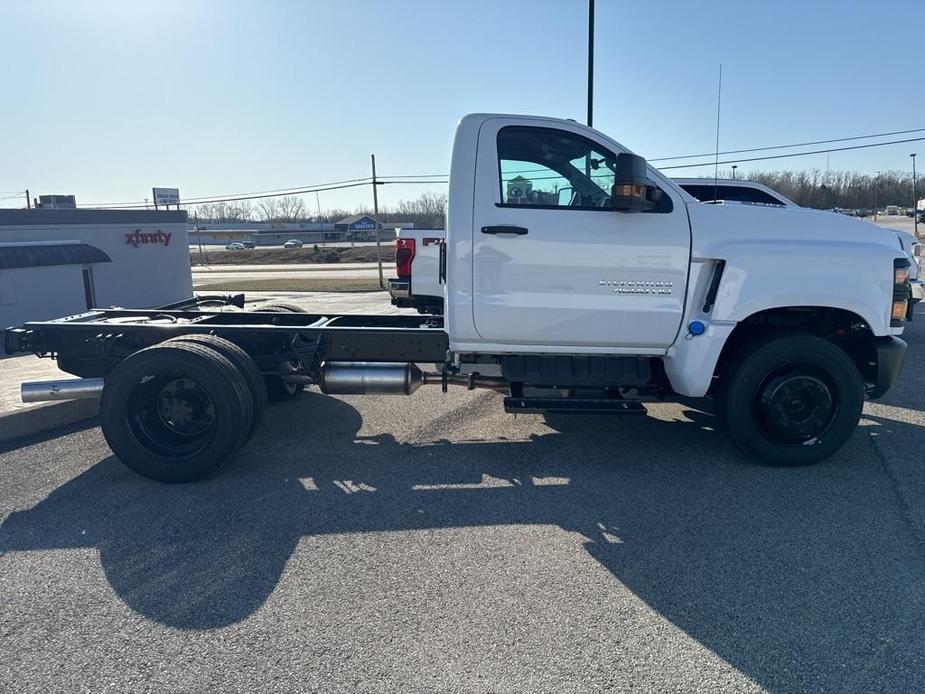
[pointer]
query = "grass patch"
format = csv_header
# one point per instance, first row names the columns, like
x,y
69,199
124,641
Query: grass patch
x,y
293,284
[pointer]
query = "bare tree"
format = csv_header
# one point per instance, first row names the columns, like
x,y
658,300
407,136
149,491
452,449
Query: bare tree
x,y
842,189
268,209
290,209
243,210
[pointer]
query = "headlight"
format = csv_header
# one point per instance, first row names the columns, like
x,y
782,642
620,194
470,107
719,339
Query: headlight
x,y
901,292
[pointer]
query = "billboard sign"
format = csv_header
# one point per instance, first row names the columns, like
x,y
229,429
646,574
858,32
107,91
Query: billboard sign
x,y
362,224
166,196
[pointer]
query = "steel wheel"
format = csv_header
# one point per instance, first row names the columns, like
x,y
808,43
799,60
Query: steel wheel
x,y
171,415
796,404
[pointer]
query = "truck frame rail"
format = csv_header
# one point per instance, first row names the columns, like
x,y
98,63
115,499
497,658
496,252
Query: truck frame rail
x,y
91,344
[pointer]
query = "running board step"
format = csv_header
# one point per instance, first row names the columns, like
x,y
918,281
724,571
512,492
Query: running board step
x,y
573,406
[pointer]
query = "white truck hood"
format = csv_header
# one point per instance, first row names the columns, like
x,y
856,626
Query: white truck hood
x,y
716,225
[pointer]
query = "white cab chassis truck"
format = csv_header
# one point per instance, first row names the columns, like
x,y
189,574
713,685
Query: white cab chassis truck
x,y
576,279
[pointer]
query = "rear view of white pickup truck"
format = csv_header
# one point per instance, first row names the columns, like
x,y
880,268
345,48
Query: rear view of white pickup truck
x,y
575,278
417,264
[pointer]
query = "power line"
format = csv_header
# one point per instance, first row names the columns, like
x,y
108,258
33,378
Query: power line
x,y
415,176
796,144
446,177
239,196
796,154
416,179
731,161
732,151
233,199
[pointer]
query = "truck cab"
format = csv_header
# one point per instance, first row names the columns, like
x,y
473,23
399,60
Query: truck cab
x,y
564,246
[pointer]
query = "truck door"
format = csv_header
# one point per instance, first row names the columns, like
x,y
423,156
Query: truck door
x,y
553,263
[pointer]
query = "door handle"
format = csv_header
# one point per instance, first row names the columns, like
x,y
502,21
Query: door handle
x,y
504,229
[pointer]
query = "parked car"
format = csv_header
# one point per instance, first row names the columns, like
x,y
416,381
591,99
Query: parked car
x,y
235,246
293,243
249,244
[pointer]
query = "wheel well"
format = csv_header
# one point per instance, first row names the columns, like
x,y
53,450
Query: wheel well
x,y
843,328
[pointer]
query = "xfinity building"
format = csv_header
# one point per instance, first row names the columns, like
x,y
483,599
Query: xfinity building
x,y
58,262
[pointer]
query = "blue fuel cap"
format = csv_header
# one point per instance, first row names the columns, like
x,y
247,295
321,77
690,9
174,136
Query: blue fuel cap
x,y
695,327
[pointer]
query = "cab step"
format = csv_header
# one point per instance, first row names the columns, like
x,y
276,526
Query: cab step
x,y
573,405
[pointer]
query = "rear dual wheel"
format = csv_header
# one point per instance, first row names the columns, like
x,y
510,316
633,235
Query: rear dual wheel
x,y
179,410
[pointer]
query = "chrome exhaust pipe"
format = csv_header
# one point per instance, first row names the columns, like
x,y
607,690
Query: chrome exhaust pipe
x,y
72,389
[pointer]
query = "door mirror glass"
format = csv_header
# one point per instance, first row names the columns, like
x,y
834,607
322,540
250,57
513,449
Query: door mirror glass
x,y
565,196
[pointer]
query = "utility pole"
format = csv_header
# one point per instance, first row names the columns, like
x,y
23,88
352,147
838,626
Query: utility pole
x,y
198,237
877,197
29,198
376,221
590,62
915,201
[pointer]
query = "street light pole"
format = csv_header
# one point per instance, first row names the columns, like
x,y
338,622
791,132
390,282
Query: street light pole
x,y
590,61
915,201
734,167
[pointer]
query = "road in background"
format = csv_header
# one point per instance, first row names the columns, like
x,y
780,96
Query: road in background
x,y
194,246
306,277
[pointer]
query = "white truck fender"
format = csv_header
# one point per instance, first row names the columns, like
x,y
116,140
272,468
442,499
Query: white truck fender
x,y
851,270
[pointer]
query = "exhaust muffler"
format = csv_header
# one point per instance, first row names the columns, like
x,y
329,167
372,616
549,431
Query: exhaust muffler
x,y
393,378
71,389
370,378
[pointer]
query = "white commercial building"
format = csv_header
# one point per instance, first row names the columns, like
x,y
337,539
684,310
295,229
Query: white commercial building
x,y
58,262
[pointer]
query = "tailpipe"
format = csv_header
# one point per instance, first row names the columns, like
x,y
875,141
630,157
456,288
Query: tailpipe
x,y
71,389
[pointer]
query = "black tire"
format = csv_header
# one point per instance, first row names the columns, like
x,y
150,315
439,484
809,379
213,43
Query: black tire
x,y
279,390
176,412
243,363
790,400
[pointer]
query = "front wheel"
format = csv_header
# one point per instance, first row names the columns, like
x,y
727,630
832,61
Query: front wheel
x,y
790,400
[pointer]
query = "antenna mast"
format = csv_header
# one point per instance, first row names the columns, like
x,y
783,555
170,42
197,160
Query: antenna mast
x,y
719,101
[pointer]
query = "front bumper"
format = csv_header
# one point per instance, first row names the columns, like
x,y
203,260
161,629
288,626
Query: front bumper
x,y
890,354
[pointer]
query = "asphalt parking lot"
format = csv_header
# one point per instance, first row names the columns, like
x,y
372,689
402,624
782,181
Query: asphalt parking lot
x,y
436,544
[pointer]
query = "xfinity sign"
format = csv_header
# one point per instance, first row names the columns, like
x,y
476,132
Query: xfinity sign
x,y
166,196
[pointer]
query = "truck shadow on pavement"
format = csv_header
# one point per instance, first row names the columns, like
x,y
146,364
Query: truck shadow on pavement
x,y
800,578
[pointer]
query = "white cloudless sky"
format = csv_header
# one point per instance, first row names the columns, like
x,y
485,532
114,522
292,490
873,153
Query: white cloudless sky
x,y
105,99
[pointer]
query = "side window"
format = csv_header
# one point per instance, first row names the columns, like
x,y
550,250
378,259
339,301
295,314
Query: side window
x,y
543,167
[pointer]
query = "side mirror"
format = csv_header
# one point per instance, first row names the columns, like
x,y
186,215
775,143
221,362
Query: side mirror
x,y
564,197
631,191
